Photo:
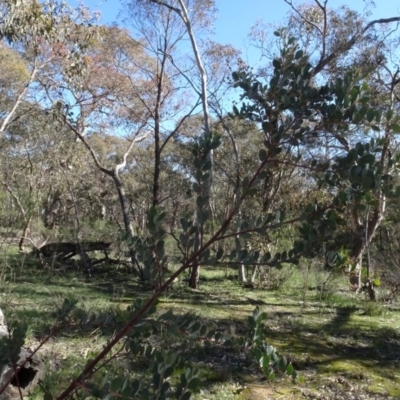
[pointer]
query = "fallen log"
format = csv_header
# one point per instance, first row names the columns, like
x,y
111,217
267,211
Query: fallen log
x,y
62,251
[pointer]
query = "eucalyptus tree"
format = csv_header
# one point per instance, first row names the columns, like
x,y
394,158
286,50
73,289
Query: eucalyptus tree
x,y
359,157
192,14
183,87
33,35
101,100
42,34
290,108
160,33
339,40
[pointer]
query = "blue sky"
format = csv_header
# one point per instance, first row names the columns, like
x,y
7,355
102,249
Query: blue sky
x,y
235,17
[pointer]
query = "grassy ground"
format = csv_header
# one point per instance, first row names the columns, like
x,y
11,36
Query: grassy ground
x,y
342,346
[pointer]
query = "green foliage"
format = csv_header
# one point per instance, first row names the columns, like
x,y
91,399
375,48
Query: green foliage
x,y
202,164
32,19
292,109
266,356
10,345
162,366
163,381
161,378
150,250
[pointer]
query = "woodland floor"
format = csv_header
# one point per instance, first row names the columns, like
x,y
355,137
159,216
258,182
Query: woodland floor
x,y
342,346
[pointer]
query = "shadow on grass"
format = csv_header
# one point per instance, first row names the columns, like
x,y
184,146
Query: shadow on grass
x,y
317,341
323,347
35,295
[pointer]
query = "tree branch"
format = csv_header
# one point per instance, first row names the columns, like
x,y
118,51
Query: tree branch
x,y
323,62
18,101
290,3
88,146
178,126
139,139
323,33
163,3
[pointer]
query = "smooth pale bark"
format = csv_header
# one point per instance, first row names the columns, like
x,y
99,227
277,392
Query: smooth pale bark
x,y
367,229
27,218
195,273
114,174
184,15
18,101
242,269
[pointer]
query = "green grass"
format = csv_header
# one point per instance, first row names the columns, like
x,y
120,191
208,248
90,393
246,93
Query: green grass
x,y
336,342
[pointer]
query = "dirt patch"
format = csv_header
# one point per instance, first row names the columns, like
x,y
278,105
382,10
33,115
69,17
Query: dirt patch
x,y
258,393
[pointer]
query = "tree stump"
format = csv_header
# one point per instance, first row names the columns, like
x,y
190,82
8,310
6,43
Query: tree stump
x,y
27,377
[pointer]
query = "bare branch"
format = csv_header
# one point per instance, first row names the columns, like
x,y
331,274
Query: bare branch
x,y
323,9
138,139
323,62
185,76
81,137
178,127
380,21
290,3
163,3
18,101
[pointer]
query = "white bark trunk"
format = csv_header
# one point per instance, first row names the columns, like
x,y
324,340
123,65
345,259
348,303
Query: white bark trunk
x,y
242,274
18,101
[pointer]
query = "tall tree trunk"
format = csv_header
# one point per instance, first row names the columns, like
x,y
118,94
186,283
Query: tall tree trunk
x,y
194,279
242,269
157,147
256,270
126,215
184,15
157,169
25,232
365,234
124,204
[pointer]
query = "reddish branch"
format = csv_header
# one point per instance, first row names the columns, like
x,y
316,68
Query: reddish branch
x,y
89,369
